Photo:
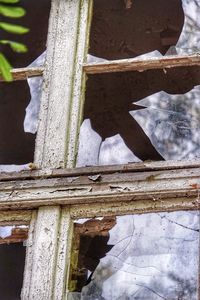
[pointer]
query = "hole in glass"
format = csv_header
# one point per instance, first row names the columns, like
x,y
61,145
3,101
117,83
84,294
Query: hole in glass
x,y
133,116
124,29
16,145
152,256
12,260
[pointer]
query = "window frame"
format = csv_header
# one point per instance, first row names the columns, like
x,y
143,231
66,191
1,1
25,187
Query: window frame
x,y
56,193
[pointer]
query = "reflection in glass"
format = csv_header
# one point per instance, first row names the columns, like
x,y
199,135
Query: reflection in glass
x,y
189,41
154,256
173,123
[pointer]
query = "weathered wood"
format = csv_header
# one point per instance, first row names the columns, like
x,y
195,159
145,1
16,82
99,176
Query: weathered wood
x,y
58,83
78,87
95,227
15,217
140,65
44,254
29,258
24,73
65,238
132,167
50,255
91,228
104,188
18,235
119,208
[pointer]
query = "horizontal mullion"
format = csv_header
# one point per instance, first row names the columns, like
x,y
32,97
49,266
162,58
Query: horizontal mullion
x,y
106,169
133,64
8,218
147,188
24,73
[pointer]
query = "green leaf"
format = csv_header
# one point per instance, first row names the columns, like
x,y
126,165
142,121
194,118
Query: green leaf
x,y
15,46
12,12
12,28
5,68
9,1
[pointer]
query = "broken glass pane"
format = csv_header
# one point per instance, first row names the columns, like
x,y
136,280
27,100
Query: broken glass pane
x,y
189,41
172,122
16,146
19,115
134,116
12,260
152,256
35,85
126,29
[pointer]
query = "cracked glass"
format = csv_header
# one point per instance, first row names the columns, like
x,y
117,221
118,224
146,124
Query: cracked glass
x,y
152,256
134,116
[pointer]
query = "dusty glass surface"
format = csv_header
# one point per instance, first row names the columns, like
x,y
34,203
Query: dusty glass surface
x,y
189,41
173,123
153,256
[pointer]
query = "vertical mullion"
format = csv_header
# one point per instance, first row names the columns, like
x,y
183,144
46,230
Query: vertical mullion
x,y
63,255
78,88
29,258
43,114
48,258
44,256
58,81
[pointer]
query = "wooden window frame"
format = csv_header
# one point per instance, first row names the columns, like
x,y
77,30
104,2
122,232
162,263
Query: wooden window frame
x,y
50,197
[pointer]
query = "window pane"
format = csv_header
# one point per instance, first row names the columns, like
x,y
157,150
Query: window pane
x,y
17,121
152,256
137,116
126,29
12,260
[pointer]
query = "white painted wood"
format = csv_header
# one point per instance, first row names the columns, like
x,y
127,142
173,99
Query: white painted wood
x,y
53,232
44,256
119,208
48,254
103,188
78,90
58,84
51,39
63,256
29,259
15,217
